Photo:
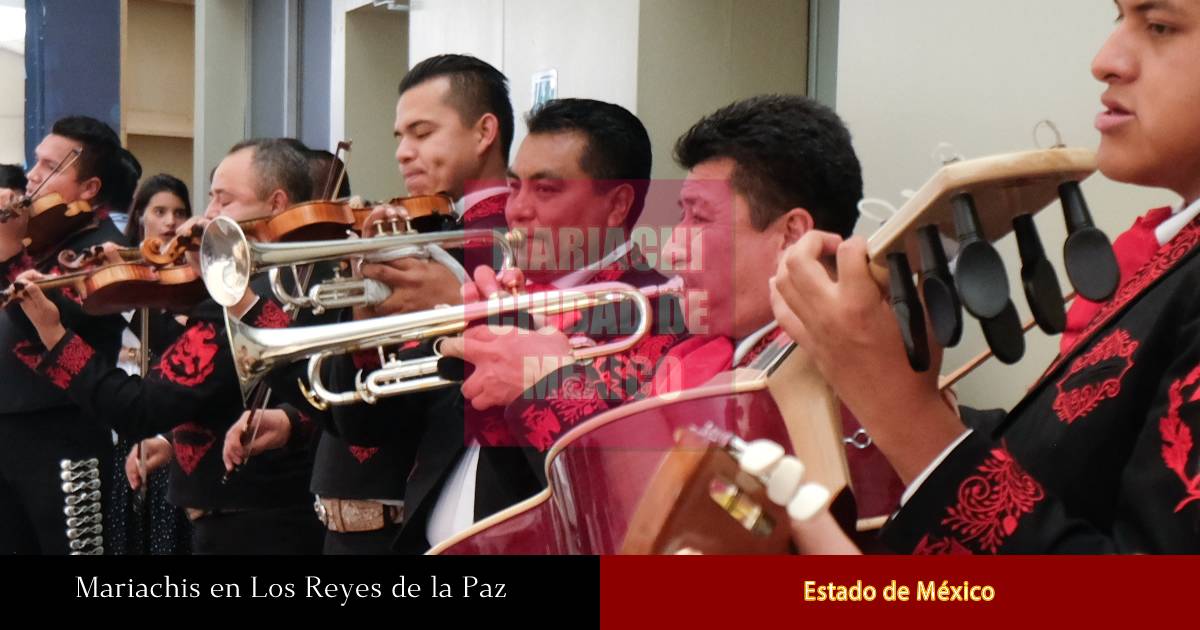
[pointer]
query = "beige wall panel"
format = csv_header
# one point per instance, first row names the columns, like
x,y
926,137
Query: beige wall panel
x,y
979,75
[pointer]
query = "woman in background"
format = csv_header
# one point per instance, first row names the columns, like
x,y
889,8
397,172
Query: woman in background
x,y
152,526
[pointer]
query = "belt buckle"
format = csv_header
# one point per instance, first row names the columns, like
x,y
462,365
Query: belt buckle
x,y
322,513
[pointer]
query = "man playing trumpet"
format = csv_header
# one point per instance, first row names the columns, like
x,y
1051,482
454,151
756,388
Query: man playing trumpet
x,y
192,390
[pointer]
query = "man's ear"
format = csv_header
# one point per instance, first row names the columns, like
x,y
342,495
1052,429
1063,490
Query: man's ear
x,y
487,132
796,223
621,200
89,189
278,201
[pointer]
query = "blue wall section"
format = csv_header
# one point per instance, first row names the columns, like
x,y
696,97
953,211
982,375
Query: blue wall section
x,y
72,63
315,22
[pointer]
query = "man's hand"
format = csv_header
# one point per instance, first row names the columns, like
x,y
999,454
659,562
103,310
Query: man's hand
x,y
200,222
416,284
157,451
274,429
847,327
507,360
488,284
38,308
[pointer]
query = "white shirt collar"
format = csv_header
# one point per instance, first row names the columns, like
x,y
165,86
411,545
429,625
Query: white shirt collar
x,y
470,199
1180,217
746,345
576,278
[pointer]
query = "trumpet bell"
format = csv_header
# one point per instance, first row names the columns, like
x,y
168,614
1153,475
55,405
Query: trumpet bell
x,y
225,261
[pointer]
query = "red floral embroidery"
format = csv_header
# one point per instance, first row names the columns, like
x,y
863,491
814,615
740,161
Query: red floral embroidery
x,y
58,376
632,369
272,316
541,426
29,353
493,431
940,547
1163,261
576,399
191,442
363,453
654,347
1177,437
190,359
75,355
489,207
991,503
1073,403
70,362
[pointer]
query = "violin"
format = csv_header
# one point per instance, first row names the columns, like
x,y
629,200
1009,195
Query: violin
x,y
155,252
120,287
332,219
426,213
94,257
126,286
51,219
157,278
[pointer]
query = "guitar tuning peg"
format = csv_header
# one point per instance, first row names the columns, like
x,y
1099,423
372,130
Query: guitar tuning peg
x,y
1042,292
1004,335
1088,255
937,288
907,308
979,272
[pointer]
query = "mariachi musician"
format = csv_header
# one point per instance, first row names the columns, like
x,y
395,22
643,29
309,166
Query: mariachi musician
x,y
454,127
751,191
1099,456
192,390
581,175
54,459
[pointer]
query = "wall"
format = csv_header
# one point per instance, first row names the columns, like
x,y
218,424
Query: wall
x,y
593,45
668,61
158,86
72,56
698,55
375,45
221,87
314,72
12,108
274,26
979,75
522,37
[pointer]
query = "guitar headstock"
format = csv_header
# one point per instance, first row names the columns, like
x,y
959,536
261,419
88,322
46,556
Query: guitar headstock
x,y
976,202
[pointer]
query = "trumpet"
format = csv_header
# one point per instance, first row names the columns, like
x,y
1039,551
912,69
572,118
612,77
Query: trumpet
x,y
257,351
228,259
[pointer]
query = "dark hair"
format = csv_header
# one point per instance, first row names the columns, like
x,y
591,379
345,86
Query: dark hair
x,y
278,165
152,186
102,157
618,146
476,88
12,176
788,152
319,163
